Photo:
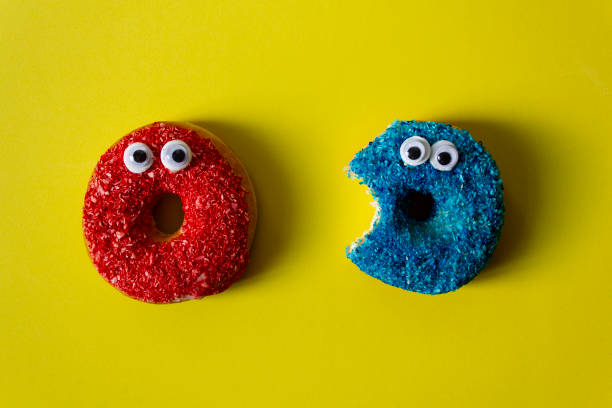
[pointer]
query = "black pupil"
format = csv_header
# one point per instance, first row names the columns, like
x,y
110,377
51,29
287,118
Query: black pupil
x,y
414,153
140,156
178,155
444,158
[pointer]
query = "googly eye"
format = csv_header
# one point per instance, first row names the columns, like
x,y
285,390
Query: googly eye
x,y
415,151
137,157
175,155
444,155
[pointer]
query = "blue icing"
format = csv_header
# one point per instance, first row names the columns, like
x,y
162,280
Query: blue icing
x,y
448,249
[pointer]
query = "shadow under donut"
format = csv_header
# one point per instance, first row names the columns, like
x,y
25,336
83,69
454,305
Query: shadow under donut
x,y
272,190
518,166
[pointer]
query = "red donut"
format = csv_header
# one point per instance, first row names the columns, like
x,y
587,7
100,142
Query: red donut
x,y
210,250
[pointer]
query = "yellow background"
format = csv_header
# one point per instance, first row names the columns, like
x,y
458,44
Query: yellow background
x,y
295,89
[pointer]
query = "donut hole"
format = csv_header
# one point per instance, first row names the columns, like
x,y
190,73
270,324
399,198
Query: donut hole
x,y
414,206
168,216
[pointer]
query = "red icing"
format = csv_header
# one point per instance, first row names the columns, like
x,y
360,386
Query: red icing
x,y
211,251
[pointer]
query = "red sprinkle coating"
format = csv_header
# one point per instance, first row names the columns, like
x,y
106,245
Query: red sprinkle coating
x,y
210,252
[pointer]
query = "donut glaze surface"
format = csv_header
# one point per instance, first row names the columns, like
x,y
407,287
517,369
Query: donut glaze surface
x,y
204,257
435,251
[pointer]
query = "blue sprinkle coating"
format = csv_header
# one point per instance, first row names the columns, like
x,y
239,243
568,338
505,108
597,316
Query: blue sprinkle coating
x,y
448,249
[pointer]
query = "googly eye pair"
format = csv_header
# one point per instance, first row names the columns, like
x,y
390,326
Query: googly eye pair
x,y
175,156
443,155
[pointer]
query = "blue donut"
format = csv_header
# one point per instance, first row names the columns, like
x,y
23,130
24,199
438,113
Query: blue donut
x,y
440,207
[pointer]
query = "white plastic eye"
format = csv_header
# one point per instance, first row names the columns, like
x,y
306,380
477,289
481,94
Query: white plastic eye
x,y
415,151
137,157
444,155
175,155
